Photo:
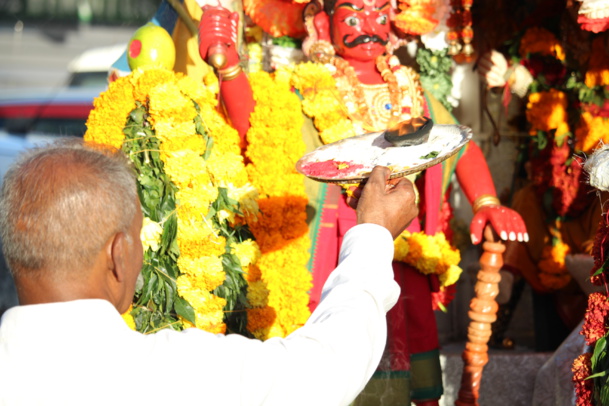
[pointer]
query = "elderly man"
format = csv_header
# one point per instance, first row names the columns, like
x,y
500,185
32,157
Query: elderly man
x,y
70,223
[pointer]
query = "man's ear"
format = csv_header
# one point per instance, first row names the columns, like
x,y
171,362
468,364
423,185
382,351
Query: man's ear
x,y
116,249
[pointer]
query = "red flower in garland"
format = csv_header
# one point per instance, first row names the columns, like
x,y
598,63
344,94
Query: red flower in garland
x,y
594,320
570,193
599,251
443,297
582,368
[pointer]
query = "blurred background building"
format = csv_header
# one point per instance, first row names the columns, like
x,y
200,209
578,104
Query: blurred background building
x,y
38,38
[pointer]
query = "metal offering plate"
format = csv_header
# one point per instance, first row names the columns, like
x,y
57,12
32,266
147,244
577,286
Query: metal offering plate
x,y
351,160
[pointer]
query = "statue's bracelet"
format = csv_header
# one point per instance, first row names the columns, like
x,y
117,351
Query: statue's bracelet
x,y
230,73
485,200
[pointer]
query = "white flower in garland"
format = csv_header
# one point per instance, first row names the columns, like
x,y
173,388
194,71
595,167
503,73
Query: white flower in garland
x,y
151,234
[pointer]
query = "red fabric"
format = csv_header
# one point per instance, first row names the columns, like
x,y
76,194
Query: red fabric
x,y
411,323
325,255
433,198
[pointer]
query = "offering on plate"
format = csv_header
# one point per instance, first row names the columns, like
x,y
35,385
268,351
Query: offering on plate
x,y
410,132
351,160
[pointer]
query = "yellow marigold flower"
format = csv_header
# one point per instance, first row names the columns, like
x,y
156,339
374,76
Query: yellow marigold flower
x,y
401,247
110,112
312,77
168,104
211,322
255,54
206,272
590,132
211,82
195,247
547,110
341,130
227,168
208,307
423,254
247,196
151,234
185,167
194,201
144,80
553,272
194,89
283,76
541,41
429,254
128,318
177,136
247,251
451,276
257,294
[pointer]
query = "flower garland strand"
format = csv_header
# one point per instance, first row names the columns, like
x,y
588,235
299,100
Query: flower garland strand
x,y
278,287
188,190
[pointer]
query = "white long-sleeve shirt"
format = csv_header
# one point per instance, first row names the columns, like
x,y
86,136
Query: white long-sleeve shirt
x,y
83,353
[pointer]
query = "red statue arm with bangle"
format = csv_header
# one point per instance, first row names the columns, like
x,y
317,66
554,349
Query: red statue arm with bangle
x,y
477,185
217,36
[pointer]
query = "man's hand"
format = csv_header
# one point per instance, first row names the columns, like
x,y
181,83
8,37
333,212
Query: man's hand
x,y
388,203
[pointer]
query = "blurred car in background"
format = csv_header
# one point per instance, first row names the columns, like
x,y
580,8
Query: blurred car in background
x,y
28,117
91,68
32,117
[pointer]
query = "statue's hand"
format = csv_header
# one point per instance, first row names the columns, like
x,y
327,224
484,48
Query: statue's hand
x,y
506,222
493,68
218,34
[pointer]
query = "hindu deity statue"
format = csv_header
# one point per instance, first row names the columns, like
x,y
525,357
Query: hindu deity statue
x,y
349,46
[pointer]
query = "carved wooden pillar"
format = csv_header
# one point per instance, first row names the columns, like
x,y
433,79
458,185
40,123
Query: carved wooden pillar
x,y
483,312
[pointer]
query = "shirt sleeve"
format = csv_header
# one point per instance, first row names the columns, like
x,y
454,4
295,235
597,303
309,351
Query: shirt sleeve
x,y
330,359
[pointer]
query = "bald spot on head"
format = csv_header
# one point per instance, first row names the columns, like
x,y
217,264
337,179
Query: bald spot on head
x,y
60,204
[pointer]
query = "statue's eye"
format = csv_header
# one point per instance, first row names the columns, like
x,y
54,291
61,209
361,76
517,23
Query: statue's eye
x,y
382,19
352,21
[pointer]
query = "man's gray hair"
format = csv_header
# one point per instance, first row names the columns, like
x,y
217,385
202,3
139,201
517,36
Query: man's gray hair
x,y
61,202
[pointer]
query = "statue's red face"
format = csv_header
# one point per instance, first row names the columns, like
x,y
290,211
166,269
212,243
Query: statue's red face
x,y
360,28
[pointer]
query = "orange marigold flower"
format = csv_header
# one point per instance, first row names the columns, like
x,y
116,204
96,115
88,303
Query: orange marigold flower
x,y
591,131
541,41
259,318
416,17
582,369
547,110
595,319
598,66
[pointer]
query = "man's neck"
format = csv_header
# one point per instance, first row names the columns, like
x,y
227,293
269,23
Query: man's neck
x,y
366,71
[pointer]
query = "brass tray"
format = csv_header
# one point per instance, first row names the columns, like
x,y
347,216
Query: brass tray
x,y
351,160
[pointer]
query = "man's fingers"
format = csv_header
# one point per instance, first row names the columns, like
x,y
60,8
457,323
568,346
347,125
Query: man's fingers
x,y
379,175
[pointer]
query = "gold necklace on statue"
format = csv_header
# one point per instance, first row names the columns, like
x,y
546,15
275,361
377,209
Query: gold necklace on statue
x,y
361,108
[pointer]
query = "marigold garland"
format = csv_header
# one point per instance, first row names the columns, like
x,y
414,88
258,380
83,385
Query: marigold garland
x,y
429,254
279,282
200,154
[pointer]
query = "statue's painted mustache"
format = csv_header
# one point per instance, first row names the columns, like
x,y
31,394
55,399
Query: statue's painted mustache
x,y
364,39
